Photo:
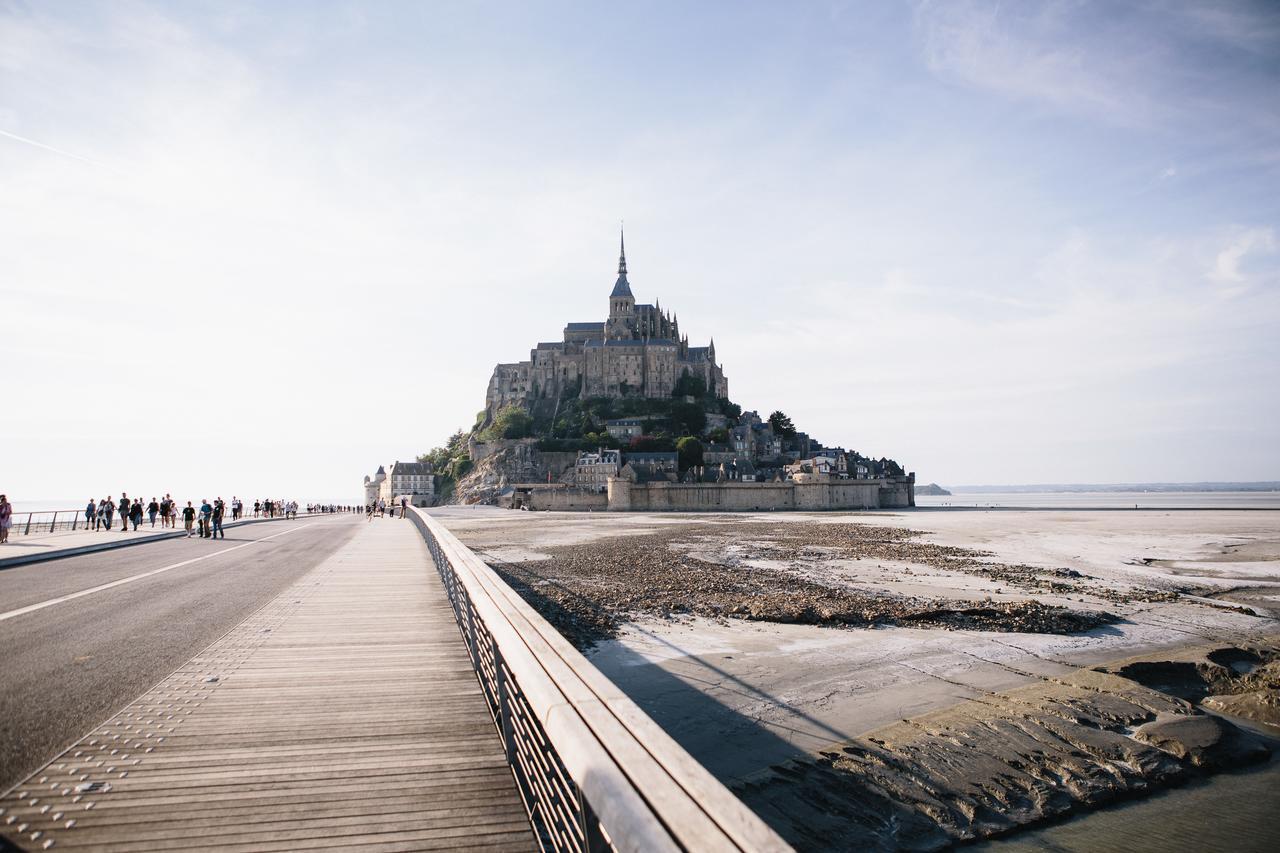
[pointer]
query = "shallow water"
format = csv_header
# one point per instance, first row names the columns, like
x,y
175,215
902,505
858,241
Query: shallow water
x,y
1108,500
1231,812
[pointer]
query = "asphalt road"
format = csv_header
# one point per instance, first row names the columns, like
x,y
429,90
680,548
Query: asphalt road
x,y
68,666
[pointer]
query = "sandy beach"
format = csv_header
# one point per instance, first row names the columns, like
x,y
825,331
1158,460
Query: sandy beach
x,y
849,653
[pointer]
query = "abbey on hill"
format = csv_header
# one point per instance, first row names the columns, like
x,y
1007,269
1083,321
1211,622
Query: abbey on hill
x,y
637,352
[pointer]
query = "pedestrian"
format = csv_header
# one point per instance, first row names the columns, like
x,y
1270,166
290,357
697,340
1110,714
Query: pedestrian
x,y
173,510
257,508
153,509
404,507
106,510
188,518
219,509
6,518
206,512
90,513
135,514
123,506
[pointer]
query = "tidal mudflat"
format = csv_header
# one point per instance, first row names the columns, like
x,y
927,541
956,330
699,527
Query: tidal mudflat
x,y
910,680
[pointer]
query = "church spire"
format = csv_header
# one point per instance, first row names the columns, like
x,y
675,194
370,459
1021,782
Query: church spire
x,y
621,288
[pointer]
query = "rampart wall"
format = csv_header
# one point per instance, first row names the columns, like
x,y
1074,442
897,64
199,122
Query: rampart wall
x,y
814,494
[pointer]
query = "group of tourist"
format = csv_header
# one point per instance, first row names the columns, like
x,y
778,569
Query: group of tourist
x,y
381,508
101,514
204,520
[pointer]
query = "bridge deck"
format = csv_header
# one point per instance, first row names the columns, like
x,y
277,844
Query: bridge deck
x,y
344,713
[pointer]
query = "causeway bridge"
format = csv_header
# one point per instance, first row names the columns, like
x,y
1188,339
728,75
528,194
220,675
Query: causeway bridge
x,y
323,683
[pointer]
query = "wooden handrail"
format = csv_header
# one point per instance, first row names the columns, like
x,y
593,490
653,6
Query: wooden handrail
x,y
639,789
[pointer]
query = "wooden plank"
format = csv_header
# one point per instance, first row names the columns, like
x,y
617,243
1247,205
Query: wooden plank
x,y
345,713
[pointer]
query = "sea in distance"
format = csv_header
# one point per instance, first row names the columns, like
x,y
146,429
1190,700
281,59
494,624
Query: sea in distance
x,y
1104,500
1162,498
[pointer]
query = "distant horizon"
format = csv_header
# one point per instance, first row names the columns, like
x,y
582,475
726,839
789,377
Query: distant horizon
x,y
1172,485
1029,488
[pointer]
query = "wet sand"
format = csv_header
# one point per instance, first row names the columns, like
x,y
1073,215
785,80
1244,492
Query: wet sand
x,y
753,698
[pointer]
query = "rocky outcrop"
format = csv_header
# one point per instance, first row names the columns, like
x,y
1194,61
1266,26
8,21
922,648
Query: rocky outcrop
x,y
932,490
498,465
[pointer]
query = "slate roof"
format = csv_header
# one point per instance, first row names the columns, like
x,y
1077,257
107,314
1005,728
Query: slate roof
x,y
621,288
652,458
585,327
403,468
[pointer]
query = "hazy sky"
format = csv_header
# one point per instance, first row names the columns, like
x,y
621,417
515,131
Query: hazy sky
x,y
263,248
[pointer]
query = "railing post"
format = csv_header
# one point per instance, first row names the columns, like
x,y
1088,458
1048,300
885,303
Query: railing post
x,y
53,524
504,708
26,531
592,837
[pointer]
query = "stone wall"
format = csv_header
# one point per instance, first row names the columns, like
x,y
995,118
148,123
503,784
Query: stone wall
x,y
814,494
562,498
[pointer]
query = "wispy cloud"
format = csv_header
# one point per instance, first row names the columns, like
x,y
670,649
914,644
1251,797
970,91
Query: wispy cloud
x,y
1226,266
57,151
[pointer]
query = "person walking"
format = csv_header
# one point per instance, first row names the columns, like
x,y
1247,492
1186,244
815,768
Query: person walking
x,y
90,513
188,518
173,510
257,508
153,509
404,507
106,510
219,510
206,512
6,518
135,514
123,506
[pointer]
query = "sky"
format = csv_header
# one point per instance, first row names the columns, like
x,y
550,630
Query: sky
x,y
260,249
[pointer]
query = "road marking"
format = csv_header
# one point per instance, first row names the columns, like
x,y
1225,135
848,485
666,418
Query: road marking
x,y
60,599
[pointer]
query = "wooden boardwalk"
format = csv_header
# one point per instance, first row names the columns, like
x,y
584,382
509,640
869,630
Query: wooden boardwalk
x,y
345,713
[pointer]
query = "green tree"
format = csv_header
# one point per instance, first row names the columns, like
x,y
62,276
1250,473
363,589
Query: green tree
x,y
512,422
782,425
690,452
688,418
689,385
729,409
659,443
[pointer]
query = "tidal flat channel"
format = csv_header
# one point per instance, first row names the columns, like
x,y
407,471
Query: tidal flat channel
x,y
1230,812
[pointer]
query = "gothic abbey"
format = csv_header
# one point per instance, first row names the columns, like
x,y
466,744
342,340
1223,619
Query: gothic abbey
x,y
637,352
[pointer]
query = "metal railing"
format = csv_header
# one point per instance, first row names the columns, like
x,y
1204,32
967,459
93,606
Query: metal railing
x,y
594,771
51,521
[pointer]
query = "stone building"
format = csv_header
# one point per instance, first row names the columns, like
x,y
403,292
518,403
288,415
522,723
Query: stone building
x,y
594,470
373,486
638,351
414,480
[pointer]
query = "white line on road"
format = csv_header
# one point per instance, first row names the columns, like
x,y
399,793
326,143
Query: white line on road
x,y
33,607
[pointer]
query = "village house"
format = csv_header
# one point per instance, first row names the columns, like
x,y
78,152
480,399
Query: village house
x,y
593,469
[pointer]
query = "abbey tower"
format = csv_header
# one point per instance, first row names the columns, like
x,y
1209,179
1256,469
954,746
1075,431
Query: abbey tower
x,y
637,352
